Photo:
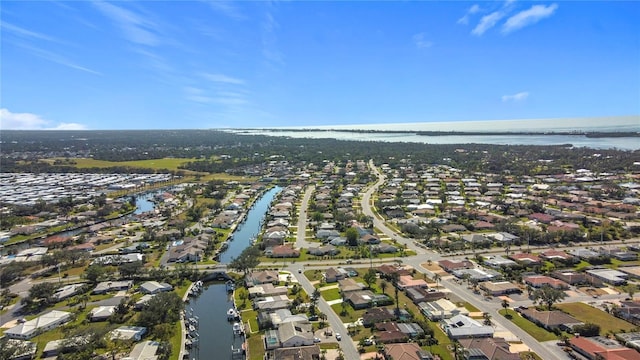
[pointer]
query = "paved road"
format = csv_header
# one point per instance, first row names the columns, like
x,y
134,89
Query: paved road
x,y
348,347
301,241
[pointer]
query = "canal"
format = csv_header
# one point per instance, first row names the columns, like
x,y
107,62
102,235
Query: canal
x,y
215,332
251,226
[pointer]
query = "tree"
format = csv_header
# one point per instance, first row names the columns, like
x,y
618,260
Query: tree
x,y
505,304
394,281
383,286
352,236
631,289
93,273
370,277
487,319
247,260
436,277
130,270
587,329
548,295
163,308
41,294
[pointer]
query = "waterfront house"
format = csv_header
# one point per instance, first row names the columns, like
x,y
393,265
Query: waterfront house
x,y
154,287
258,277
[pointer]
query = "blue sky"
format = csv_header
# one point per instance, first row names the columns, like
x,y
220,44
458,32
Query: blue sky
x,y
218,64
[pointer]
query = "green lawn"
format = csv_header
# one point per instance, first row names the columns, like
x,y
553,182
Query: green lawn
x,y
586,313
532,329
176,341
256,348
331,294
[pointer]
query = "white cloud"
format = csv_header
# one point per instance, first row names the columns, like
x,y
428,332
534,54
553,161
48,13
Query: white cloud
x,y
25,33
521,96
28,121
227,8
221,78
421,42
528,17
487,22
134,27
464,20
57,58
69,126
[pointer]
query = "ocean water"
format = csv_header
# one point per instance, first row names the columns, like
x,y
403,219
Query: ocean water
x,y
543,128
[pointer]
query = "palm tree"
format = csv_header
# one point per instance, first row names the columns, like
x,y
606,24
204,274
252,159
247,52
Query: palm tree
x,y
383,286
505,305
487,319
436,277
84,298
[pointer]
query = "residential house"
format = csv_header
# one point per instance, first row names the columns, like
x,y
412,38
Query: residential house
x,y
602,348
491,348
261,277
441,309
377,315
365,298
272,303
556,255
407,281
462,326
134,333
525,259
498,261
101,313
332,275
418,295
452,265
311,352
538,281
110,286
293,334
388,270
389,332
550,320
154,287
570,277
145,350
324,250
406,351
613,277
349,285
42,323
282,251
499,288
267,289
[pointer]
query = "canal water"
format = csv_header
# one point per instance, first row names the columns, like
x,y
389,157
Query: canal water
x,y
216,333
144,202
250,228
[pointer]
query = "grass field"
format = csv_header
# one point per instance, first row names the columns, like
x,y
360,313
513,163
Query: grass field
x,y
156,164
532,329
586,313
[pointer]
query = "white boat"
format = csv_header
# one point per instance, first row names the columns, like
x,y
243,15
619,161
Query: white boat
x,y
237,328
232,314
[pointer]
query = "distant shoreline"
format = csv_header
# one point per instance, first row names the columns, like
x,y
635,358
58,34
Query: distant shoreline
x,y
588,134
